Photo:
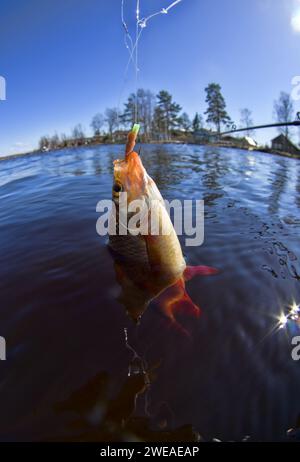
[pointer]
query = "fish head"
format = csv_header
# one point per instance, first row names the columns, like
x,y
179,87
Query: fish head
x,y
130,177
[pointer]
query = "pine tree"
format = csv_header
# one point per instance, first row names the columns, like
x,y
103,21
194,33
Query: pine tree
x,y
197,123
158,124
128,117
216,111
184,122
167,113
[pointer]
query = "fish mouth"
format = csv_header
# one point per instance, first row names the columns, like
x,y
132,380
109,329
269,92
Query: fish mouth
x,y
130,174
132,136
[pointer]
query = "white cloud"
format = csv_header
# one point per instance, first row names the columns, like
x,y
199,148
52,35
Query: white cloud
x,y
20,147
20,144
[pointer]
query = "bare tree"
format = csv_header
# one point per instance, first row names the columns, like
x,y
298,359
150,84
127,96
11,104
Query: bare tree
x,y
146,100
246,120
112,120
284,112
44,143
78,134
63,140
54,141
141,104
97,123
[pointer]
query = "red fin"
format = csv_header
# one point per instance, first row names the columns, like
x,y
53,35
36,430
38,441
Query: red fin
x,y
191,271
175,302
186,306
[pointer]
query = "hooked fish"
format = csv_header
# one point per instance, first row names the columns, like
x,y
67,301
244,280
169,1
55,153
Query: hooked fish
x,y
149,266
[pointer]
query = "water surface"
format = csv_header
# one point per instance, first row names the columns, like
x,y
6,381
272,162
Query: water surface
x,y
64,325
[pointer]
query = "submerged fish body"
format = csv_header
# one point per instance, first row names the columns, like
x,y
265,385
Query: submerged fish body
x,y
149,266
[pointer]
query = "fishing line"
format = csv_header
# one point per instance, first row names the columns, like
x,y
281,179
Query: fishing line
x,y
127,37
142,24
142,361
136,59
129,46
132,47
143,368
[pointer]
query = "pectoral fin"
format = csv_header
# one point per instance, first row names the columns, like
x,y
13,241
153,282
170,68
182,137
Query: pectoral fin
x,y
192,271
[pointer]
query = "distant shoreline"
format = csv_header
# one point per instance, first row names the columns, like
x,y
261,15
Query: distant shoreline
x,y
179,142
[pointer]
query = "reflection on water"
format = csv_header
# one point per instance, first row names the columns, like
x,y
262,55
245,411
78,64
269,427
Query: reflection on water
x,y
278,184
100,415
66,376
298,191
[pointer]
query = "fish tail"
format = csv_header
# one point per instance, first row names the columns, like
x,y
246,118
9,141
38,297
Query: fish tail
x,y
175,302
186,306
175,326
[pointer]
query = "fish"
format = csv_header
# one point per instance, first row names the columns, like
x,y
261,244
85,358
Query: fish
x,y
152,266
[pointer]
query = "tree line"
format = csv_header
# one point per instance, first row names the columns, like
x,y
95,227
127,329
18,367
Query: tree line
x,y
162,119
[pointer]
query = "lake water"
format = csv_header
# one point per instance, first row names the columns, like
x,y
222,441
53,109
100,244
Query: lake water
x,y
64,325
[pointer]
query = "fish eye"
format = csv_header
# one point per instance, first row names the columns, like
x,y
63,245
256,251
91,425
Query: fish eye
x,y
117,188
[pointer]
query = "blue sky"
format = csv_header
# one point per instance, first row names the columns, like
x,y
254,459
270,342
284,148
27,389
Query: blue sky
x,y
64,60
